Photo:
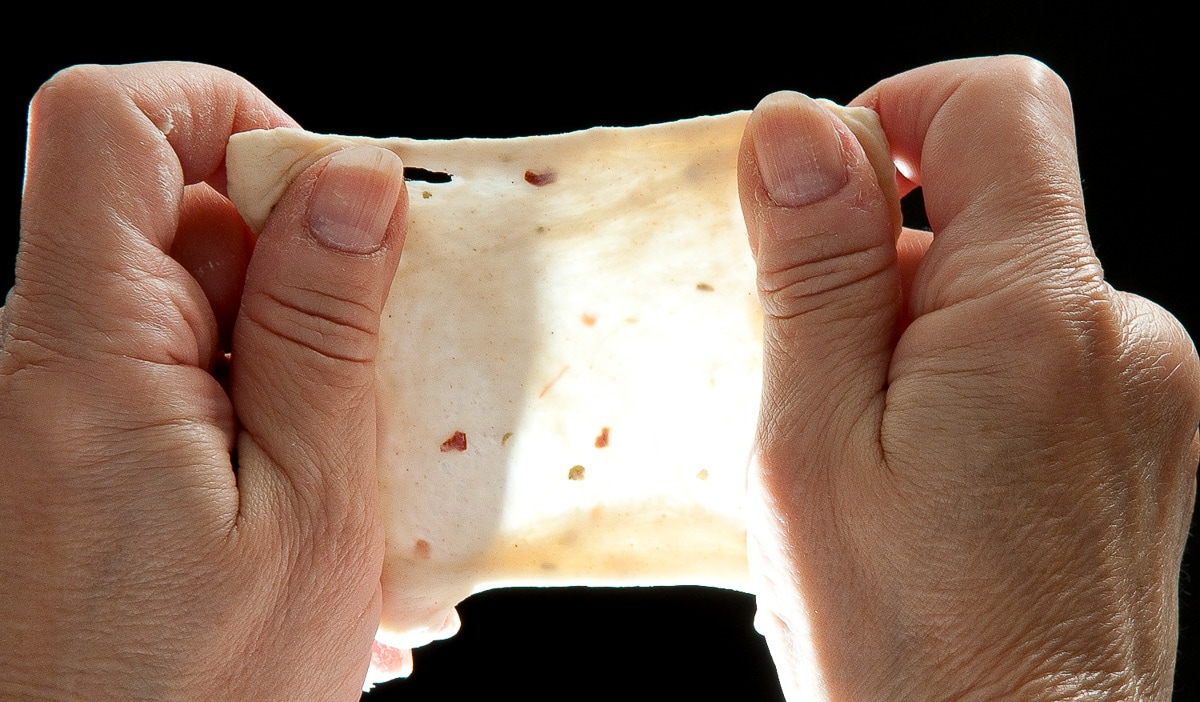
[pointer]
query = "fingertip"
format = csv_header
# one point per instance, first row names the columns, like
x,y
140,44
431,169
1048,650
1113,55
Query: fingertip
x,y
196,108
355,198
798,151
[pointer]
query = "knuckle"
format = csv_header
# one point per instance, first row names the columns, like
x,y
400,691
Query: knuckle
x,y
65,90
1021,93
1006,77
1173,357
1159,341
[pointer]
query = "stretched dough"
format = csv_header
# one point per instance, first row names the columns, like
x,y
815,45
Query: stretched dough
x,y
570,358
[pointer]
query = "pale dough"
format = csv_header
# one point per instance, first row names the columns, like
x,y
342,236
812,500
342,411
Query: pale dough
x,y
570,358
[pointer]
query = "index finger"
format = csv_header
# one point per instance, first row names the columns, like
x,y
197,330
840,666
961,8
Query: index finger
x,y
992,143
110,150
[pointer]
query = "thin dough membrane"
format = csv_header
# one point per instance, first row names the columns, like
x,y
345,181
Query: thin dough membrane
x,y
570,360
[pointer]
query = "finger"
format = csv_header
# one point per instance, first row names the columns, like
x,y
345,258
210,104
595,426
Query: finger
x,y
99,310
302,369
213,245
110,149
910,253
992,143
824,243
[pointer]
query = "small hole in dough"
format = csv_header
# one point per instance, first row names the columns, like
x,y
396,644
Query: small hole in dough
x,y
426,176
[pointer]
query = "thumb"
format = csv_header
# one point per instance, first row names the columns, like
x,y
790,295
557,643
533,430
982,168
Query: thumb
x,y
302,368
823,235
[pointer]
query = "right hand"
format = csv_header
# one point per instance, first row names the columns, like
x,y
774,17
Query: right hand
x,y
977,459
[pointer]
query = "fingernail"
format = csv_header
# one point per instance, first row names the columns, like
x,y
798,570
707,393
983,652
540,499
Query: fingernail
x,y
799,152
354,197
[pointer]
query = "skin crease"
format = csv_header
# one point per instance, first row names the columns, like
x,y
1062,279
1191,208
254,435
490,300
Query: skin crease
x,y
978,486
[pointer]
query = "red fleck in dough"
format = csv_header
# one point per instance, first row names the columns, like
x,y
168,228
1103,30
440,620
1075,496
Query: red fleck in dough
x,y
456,442
422,550
602,439
588,319
540,179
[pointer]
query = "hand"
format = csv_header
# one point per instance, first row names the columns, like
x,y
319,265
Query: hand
x,y
976,460
160,537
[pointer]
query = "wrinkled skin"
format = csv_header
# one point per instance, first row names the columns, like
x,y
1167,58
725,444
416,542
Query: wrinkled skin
x,y
976,464
977,460
136,563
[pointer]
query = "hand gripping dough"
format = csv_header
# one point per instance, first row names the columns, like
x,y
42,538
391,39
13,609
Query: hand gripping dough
x,y
570,358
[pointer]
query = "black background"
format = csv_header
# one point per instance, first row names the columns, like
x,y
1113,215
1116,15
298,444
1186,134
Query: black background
x,y
402,76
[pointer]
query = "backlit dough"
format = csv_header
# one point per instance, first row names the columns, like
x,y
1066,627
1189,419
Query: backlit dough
x,y
570,358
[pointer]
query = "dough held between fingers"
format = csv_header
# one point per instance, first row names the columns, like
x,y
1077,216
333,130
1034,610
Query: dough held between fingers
x,y
570,357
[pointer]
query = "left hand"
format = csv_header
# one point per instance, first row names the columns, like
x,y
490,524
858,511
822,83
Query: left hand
x,y
160,537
